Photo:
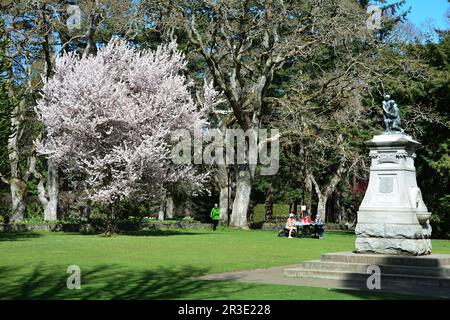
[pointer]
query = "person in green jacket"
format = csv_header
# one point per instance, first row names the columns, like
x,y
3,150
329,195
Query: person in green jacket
x,y
215,216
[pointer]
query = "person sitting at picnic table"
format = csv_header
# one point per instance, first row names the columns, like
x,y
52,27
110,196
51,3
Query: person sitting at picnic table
x,y
319,226
304,213
306,219
318,220
290,224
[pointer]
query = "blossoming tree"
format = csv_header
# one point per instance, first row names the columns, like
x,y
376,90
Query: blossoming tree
x,y
109,118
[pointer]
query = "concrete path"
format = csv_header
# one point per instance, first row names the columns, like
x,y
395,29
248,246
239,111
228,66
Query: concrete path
x,y
276,276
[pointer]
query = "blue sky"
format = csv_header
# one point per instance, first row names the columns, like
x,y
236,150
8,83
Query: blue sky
x,y
423,11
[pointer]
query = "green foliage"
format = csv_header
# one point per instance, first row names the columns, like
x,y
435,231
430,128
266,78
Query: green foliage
x,y
279,211
128,215
98,216
188,220
421,86
36,220
440,219
34,211
137,210
417,75
439,160
5,209
286,184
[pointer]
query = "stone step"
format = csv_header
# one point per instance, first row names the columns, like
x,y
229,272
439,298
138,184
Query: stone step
x,y
387,280
388,269
433,260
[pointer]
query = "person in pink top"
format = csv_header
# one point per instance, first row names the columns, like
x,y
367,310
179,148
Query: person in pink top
x,y
290,224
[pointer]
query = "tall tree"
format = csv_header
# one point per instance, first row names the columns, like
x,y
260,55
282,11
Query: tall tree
x,y
5,104
245,43
38,32
329,107
20,52
109,118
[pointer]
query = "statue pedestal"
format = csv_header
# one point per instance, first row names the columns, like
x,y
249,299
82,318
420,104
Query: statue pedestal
x,y
393,218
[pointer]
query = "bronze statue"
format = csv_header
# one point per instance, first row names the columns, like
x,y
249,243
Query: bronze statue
x,y
391,115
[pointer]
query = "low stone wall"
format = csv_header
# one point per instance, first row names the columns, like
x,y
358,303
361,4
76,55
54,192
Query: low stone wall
x,y
86,227
178,225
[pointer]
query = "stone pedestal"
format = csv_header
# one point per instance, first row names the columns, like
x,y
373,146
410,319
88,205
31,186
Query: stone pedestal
x,y
427,275
393,218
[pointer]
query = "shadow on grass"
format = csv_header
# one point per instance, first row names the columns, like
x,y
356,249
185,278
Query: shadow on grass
x,y
110,282
18,235
370,295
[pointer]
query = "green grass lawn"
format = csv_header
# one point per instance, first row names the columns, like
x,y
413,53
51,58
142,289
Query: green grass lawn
x,y
162,264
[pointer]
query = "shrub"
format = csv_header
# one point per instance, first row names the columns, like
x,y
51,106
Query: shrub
x,y
188,219
37,220
5,210
34,211
149,219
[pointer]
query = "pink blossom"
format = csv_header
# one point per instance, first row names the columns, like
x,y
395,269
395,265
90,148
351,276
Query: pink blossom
x,y
109,117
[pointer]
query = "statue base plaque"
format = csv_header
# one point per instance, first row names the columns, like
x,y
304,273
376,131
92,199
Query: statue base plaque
x,y
393,218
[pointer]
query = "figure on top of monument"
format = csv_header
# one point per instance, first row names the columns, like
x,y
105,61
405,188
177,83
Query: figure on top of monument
x,y
391,115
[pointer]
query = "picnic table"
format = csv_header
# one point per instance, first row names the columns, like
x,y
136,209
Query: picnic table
x,y
309,230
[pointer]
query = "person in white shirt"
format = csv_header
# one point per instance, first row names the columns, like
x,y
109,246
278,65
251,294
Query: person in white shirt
x,y
290,224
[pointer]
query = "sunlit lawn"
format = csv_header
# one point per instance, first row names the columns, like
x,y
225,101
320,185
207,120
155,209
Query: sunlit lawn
x,y
162,264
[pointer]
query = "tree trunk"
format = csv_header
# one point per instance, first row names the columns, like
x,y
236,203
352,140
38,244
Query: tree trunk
x,y
250,211
93,19
47,196
225,192
17,186
308,193
161,212
269,205
245,175
169,207
86,210
242,198
343,215
188,206
111,222
328,190
162,208
53,191
223,205
18,189
321,207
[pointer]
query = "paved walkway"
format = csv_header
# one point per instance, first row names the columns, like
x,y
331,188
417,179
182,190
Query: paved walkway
x,y
276,276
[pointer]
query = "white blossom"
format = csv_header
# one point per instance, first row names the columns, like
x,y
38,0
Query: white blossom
x,y
109,118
